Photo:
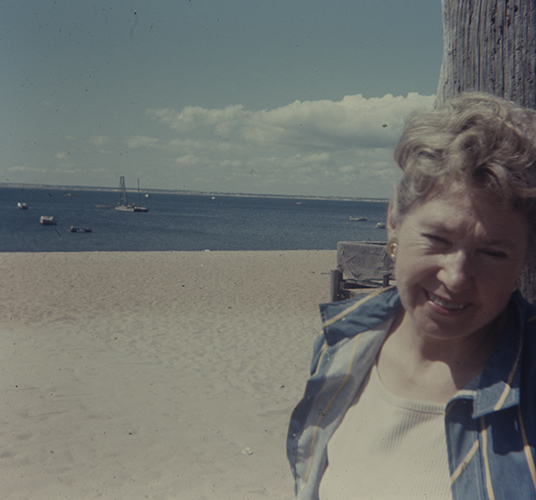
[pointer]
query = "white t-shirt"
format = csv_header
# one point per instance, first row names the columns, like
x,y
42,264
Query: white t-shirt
x,y
388,448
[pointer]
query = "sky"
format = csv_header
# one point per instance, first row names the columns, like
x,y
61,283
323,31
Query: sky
x,y
290,97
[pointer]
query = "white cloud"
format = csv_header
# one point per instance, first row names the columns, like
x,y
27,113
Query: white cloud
x,y
139,141
17,169
21,169
353,122
231,163
100,140
347,169
196,116
332,147
317,158
188,159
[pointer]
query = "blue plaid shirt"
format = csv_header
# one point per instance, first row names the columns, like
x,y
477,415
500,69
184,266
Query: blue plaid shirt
x,y
490,425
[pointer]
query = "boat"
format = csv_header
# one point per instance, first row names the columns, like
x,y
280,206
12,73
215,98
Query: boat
x,y
139,207
104,207
358,218
123,204
80,229
381,225
125,208
22,206
47,220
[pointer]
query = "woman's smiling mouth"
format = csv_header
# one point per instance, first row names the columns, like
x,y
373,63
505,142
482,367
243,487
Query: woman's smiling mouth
x,y
445,303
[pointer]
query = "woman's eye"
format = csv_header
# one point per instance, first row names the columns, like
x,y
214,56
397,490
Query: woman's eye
x,y
498,254
436,239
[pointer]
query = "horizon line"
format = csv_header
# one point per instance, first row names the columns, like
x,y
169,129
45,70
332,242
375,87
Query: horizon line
x,y
22,185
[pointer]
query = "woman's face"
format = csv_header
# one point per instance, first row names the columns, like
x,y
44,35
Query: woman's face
x,y
458,260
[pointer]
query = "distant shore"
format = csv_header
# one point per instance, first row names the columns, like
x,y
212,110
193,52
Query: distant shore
x,y
186,192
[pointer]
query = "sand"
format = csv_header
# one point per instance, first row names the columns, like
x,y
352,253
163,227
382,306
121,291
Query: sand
x,y
159,375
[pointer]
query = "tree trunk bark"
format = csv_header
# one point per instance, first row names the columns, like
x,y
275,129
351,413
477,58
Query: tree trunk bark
x,y
490,45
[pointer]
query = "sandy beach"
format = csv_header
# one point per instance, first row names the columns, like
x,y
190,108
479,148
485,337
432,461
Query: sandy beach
x,y
158,375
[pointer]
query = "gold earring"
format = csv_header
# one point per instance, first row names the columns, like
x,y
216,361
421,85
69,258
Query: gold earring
x,y
392,249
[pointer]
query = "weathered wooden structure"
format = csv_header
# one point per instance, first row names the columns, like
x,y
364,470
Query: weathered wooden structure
x,y
361,266
490,45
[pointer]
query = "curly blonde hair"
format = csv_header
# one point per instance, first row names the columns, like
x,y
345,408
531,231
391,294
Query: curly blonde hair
x,y
477,139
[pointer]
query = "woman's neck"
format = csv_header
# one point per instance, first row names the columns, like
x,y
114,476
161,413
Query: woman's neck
x,y
415,366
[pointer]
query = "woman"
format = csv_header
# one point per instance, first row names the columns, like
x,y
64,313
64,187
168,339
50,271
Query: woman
x,y
428,389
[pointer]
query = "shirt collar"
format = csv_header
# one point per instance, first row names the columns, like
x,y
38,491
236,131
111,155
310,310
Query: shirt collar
x,y
348,318
498,386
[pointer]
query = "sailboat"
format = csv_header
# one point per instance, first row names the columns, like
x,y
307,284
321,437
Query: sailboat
x,y
139,207
123,204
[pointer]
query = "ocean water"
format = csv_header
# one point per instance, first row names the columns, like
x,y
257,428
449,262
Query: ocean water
x,y
182,222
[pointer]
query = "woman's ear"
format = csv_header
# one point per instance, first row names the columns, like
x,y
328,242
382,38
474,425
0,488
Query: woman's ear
x,y
391,224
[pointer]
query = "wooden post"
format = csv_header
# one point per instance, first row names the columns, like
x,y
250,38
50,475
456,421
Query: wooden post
x,y
489,45
335,283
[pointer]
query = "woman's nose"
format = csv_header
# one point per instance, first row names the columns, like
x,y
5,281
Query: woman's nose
x,y
456,271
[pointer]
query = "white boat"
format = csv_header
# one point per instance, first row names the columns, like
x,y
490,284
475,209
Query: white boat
x,y
80,229
381,225
358,218
47,220
139,207
22,206
123,204
125,208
